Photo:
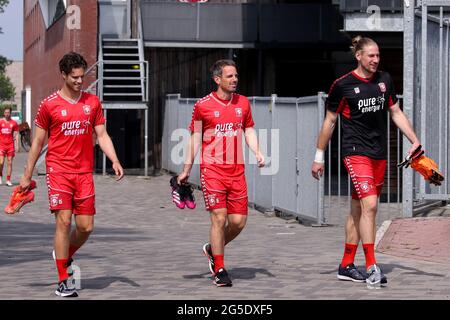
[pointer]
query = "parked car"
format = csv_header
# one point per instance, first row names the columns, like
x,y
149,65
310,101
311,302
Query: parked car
x,y
16,116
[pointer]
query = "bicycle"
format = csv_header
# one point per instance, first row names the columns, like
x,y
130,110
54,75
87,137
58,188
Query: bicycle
x,y
25,136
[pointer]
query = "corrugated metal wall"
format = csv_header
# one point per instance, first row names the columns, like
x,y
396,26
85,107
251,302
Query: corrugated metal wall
x,y
287,129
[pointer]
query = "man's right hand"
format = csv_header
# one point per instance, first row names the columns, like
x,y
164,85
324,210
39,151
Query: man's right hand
x,y
317,170
182,178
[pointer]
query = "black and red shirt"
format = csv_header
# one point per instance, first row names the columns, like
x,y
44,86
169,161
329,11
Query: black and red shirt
x,y
363,105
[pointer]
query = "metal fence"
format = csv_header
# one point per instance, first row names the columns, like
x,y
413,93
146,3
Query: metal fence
x,y
287,129
337,184
426,95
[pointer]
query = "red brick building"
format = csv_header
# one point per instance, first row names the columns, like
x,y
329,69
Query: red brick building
x,y
49,32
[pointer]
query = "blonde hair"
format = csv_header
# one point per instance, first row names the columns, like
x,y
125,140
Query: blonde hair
x,y
359,42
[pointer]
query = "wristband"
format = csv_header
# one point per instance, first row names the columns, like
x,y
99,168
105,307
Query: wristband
x,y
319,157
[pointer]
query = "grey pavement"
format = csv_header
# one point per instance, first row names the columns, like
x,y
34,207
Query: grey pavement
x,y
143,247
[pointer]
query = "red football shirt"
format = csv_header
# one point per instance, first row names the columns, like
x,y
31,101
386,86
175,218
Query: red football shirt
x,y
7,133
70,128
221,124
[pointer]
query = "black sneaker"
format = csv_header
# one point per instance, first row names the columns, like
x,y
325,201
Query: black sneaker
x,y
221,279
350,273
208,253
65,290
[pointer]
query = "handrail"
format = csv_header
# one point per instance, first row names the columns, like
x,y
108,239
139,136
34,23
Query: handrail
x,y
99,82
145,82
91,86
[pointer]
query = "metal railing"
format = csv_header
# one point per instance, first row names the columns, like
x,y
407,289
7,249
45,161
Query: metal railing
x,y
292,189
426,95
337,184
97,85
287,136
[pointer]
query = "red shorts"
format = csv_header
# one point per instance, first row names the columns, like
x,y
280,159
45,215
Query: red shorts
x,y
223,192
71,191
367,175
7,152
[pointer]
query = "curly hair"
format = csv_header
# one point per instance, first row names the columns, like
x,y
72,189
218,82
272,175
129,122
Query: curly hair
x,y
70,61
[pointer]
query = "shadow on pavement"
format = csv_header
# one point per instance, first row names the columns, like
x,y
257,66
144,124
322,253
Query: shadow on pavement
x,y
388,268
104,282
235,273
38,239
94,283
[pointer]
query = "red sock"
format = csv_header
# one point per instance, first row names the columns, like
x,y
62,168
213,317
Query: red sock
x,y
218,262
72,250
369,252
349,254
8,178
62,269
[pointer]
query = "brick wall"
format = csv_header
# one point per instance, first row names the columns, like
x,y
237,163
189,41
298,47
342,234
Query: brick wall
x,y
43,48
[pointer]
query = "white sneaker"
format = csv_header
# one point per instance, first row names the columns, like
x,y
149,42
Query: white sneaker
x,y
8,183
375,278
1,181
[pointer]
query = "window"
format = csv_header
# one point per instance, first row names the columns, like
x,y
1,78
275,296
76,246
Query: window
x,y
52,10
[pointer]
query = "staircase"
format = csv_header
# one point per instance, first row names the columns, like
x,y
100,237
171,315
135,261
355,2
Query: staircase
x,y
124,71
121,85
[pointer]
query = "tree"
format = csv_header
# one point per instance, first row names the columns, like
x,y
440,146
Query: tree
x,y
7,90
3,63
3,4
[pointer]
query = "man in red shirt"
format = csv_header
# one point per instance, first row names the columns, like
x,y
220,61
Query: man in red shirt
x,y
70,117
9,129
218,122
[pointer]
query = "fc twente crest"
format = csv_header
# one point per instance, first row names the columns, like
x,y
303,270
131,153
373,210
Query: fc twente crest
x,y
87,109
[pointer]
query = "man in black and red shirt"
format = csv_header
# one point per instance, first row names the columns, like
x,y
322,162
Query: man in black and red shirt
x,y
362,98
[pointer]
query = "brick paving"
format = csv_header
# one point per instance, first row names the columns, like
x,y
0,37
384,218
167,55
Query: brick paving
x,y
143,247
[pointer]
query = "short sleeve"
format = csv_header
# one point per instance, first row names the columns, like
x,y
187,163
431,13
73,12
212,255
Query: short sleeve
x,y
248,121
391,95
196,121
99,119
334,98
42,119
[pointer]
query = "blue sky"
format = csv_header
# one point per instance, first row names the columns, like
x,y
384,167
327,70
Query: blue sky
x,y
11,22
